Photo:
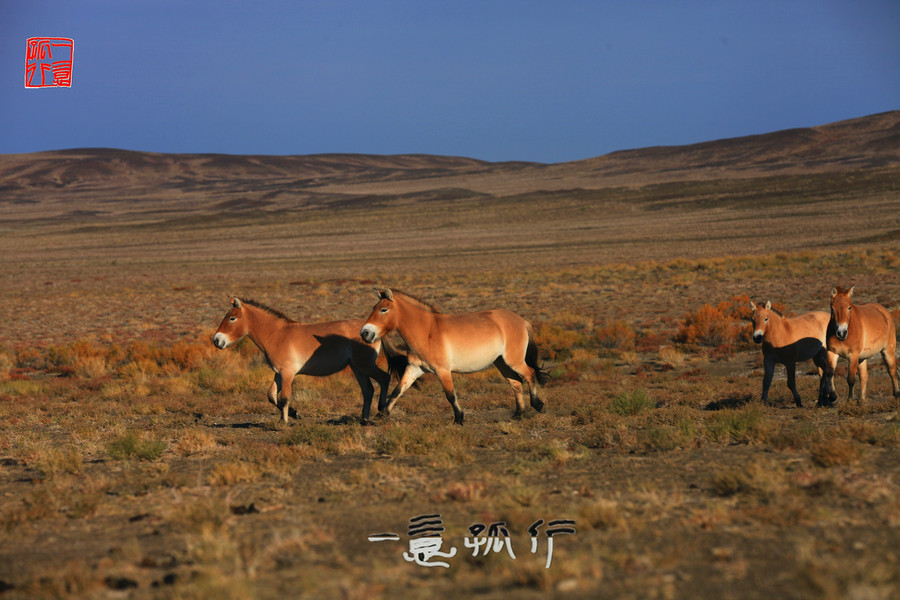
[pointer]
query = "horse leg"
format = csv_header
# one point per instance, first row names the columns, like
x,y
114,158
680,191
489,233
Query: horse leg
x,y
410,375
272,394
519,373
446,380
821,360
852,368
830,393
791,368
863,381
890,361
768,373
515,382
384,381
368,391
284,396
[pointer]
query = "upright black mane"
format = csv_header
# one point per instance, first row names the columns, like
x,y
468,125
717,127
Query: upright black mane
x,y
269,309
420,302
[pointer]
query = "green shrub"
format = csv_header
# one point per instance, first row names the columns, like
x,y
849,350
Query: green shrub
x,y
132,446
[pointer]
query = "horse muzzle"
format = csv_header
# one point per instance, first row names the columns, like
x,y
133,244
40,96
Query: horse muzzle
x,y
841,333
758,337
368,333
220,341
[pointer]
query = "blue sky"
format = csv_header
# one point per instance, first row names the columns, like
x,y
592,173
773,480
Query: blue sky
x,y
547,81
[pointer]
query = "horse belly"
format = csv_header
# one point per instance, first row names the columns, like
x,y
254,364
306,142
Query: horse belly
x,y
325,360
474,358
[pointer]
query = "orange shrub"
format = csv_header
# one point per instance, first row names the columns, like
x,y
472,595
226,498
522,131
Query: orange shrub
x,y
715,326
615,335
556,343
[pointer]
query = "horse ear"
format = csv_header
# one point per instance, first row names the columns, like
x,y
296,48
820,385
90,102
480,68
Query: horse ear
x,y
833,291
752,305
236,302
850,291
768,305
385,294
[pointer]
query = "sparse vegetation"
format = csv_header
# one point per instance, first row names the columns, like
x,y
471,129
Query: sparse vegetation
x,y
137,460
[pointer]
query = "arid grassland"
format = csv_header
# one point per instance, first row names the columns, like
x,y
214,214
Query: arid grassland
x,y
138,461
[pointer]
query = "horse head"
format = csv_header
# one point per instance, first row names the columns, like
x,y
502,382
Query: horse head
x,y
760,320
233,327
841,307
383,318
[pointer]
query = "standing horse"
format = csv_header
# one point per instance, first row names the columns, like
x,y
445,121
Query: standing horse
x,y
462,343
787,341
317,350
858,332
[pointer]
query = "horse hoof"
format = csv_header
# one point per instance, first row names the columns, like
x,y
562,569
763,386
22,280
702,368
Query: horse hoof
x,y
538,405
459,419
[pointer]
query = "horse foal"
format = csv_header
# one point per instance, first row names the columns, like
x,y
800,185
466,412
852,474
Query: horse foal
x,y
787,341
292,348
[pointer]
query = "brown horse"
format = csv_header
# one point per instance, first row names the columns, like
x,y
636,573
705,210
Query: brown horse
x,y
858,332
461,343
787,341
317,350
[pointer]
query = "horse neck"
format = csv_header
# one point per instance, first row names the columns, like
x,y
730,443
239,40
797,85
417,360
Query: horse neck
x,y
777,326
414,320
263,327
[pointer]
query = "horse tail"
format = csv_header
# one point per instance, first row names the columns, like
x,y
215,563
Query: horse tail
x,y
397,361
531,359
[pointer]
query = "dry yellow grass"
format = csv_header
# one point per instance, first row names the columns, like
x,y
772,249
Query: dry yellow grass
x,y
137,460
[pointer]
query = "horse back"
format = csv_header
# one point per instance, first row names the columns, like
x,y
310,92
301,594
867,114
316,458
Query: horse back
x,y
877,329
800,338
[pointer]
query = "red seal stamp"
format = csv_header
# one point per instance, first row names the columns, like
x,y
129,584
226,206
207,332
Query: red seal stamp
x,y
48,62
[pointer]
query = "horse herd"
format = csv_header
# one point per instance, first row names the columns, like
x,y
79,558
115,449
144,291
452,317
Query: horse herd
x,y
437,343
856,332
444,344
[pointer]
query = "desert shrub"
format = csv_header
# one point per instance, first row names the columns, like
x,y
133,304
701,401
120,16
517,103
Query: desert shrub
x,y
131,446
55,461
29,358
669,355
738,426
7,362
630,403
834,452
555,342
192,440
764,481
232,472
714,326
311,435
651,342
615,335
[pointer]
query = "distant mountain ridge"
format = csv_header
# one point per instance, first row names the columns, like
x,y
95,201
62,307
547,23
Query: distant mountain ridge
x,y
87,183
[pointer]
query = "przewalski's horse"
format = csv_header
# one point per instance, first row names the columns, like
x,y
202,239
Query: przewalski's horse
x,y
787,341
318,350
858,332
461,343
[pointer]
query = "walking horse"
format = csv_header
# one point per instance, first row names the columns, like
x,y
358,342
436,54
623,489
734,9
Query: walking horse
x,y
444,344
317,350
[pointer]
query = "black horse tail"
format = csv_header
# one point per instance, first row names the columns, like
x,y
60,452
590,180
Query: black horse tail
x,y
531,359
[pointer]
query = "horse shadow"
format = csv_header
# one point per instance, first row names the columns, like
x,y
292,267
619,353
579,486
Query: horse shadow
x,y
730,403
